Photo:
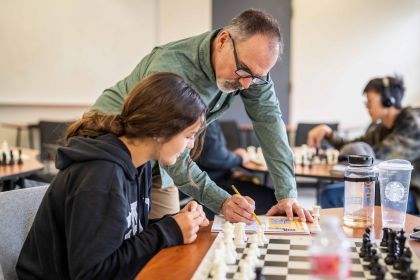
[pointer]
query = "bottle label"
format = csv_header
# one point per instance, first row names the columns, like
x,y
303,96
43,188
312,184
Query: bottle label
x,y
329,266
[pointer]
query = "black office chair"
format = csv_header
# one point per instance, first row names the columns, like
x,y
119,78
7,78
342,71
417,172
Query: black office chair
x,y
51,137
303,129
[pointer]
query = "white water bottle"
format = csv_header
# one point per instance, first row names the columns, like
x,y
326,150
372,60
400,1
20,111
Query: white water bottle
x,y
330,254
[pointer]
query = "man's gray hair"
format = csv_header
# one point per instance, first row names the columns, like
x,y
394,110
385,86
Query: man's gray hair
x,y
251,22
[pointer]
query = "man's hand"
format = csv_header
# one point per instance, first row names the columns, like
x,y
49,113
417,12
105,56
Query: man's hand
x,y
239,209
289,206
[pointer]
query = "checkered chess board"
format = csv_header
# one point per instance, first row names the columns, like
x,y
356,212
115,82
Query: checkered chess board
x,y
287,257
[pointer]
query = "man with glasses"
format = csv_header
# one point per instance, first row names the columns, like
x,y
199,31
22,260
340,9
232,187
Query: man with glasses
x,y
221,65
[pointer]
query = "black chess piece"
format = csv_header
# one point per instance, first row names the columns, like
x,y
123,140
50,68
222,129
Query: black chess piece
x,y
20,161
368,253
374,263
303,161
367,233
390,258
407,253
401,241
397,264
385,236
363,249
12,160
311,161
405,264
4,159
258,273
380,275
411,274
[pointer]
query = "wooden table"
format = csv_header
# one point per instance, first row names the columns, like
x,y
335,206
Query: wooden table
x,y
180,262
10,173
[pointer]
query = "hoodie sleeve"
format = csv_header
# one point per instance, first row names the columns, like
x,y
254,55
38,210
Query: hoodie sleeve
x,y
95,226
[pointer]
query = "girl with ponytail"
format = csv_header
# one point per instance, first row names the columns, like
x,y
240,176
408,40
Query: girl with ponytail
x,y
93,221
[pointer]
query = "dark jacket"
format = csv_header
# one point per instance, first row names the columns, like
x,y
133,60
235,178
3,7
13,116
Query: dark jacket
x,y
215,157
93,221
401,141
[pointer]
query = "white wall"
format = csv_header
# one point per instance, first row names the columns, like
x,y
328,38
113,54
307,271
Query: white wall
x,y
337,46
56,57
182,18
67,52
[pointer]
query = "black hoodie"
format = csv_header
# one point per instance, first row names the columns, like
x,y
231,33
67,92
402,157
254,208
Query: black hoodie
x,y
93,221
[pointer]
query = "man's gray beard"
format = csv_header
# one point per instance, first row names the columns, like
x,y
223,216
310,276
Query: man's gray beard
x,y
228,86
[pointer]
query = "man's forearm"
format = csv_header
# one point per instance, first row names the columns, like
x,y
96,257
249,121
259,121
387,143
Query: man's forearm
x,y
196,183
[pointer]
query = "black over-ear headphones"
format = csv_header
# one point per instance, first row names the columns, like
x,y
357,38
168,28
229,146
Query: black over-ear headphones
x,y
387,99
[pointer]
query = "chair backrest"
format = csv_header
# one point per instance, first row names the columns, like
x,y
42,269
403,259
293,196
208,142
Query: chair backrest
x,y
51,136
303,129
17,213
232,134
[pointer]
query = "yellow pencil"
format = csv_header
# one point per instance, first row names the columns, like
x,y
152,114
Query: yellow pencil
x,y
253,214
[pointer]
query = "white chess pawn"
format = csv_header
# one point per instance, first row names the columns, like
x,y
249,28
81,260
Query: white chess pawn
x,y
251,150
219,271
227,227
219,266
315,227
239,241
246,270
336,154
254,246
5,149
242,231
240,236
253,238
227,236
219,254
230,257
262,239
231,254
252,258
330,156
222,247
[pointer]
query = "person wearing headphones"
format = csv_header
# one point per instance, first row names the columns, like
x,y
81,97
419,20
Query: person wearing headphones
x,y
396,135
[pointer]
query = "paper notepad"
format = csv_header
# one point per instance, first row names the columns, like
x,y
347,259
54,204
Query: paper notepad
x,y
272,224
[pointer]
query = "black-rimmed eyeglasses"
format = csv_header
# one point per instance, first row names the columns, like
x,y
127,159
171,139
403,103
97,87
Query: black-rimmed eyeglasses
x,y
245,73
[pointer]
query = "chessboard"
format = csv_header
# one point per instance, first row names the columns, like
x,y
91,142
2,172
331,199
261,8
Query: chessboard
x,y
11,157
308,156
304,155
287,257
